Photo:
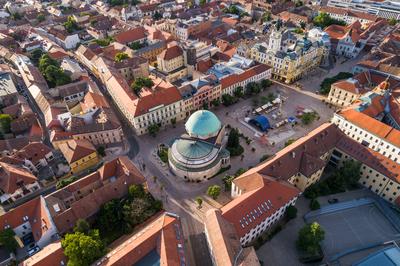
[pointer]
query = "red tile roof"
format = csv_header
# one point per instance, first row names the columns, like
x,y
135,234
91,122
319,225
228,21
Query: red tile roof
x,y
131,35
163,235
171,52
37,215
74,150
348,12
52,254
111,181
249,206
248,73
12,177
225,242
34,152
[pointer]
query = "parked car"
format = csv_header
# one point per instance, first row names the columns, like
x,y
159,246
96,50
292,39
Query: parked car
x,y
332,201
33,250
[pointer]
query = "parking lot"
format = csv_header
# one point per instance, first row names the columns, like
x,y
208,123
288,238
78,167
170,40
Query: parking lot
x,y
354,228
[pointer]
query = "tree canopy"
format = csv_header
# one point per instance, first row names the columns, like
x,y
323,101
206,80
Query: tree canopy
x,y
136,191
5,124
214,191
120,57
81,249
139,83
71,25
82,226
233,144
326,84
324,20
310,237
52,72
7,240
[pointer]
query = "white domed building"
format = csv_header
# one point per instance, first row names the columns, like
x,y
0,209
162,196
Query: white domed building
x,y
199,155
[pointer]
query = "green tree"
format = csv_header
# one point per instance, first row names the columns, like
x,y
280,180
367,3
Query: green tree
x,y
202,2
119,57
253,88
101,151
136,45
289,141
157,16
56,77
137,211
41,18
199,201
36,55
233,144
16,16
233,139
137,191
350,172
238,92
173,122
139,83
266,16
82,226
228,99
326,84
5,124
265,83
216,102
308,118
46,61
299,3
214,191
7,240
314,204
153,129
111,216
291,212
81,249
324,20
71,25
228,182
310,237
392,21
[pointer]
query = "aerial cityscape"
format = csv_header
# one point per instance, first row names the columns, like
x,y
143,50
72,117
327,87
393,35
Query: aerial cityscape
x,y
199,132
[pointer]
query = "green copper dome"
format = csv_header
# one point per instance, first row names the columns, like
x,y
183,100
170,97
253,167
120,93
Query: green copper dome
x,y
192,149
203,124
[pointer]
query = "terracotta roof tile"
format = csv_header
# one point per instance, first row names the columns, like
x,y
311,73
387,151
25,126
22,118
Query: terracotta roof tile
x,y
74,150
171,53
36,212
275,193
163,235
13,176
131,35
52,254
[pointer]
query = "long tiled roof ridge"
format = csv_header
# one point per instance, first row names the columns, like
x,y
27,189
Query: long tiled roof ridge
x,y
372,125
249,209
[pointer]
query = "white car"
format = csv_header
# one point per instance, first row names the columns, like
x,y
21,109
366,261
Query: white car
x,y
33,251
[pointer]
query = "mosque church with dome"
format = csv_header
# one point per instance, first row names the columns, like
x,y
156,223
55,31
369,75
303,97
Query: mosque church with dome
x,y
198,155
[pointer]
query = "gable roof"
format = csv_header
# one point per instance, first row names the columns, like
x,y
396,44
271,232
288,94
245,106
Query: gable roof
x,y
74,150
36,213
12,177
52,254
132,35
252,207
171,52
164,235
